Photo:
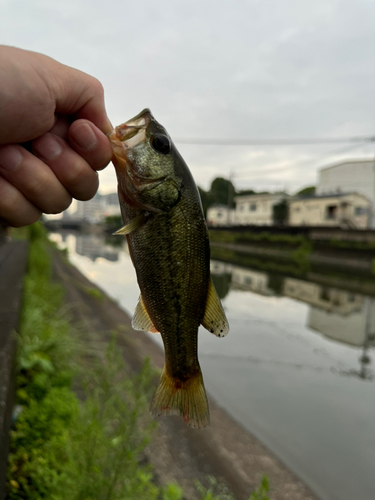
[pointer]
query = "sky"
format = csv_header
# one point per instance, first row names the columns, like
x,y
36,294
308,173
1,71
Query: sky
x,y
222,70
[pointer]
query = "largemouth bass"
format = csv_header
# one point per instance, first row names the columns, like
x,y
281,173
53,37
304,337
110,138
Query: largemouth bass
x,y
169,247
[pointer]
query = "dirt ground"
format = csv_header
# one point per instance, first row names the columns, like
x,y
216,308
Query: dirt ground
x,y
177,452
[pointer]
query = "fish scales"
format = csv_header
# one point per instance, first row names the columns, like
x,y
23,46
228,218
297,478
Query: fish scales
x,y
173,279
169,247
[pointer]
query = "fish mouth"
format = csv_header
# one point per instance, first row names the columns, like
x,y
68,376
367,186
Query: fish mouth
x,y
130,134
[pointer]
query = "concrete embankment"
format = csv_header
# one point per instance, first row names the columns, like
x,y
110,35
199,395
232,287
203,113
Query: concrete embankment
x,y
353,250
178,453
332,259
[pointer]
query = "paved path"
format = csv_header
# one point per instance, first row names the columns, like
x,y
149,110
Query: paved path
x,y
13,258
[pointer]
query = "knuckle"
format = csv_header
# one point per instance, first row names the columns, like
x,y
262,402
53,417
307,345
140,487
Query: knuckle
x,y
97,86
14,208
50,197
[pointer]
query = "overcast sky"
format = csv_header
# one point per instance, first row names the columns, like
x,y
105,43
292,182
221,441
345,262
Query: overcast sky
x,y
224,69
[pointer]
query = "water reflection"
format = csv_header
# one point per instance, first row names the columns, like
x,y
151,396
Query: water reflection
x,y
341,315
93,246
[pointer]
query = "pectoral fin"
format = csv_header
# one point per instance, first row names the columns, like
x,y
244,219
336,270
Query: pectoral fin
x,y
133,225
214,319
141,320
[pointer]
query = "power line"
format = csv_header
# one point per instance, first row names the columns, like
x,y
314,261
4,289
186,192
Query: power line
x,y
271,142
311,162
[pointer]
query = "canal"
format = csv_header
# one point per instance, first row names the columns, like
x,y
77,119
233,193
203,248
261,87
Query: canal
x,y
296,369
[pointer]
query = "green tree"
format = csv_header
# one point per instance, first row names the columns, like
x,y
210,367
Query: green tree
x,y
243,192
307,190
280,212
206,199
222,191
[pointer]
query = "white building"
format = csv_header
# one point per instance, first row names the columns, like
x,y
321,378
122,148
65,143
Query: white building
x,y
220,215
95,210
256,208
91,210
350,176
338,314
356,328
348,210
249,279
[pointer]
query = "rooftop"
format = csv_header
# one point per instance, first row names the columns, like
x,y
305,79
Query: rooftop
x,y
339,164
330,195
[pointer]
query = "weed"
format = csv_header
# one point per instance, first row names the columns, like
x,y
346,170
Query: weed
x,y
261,493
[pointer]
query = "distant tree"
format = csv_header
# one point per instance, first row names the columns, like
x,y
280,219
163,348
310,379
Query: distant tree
x,y
222,191
280,213
245,191
307,190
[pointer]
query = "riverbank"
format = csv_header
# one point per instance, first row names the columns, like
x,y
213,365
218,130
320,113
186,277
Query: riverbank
x,y
177,453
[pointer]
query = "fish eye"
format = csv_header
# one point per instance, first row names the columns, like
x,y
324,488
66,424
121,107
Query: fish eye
x,y
161,143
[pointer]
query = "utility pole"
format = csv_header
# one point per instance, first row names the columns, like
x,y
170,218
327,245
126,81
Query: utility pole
x,y
230,194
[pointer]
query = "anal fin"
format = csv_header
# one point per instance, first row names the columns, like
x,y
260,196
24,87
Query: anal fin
x,y
214,319
141,320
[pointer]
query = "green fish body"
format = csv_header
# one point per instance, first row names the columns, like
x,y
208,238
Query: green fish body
x,y
169,247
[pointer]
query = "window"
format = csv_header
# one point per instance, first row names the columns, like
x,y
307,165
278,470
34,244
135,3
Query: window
x,y
252,207
324,294
360,210
331,212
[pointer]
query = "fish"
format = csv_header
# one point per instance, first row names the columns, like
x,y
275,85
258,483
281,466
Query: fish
x,y
169,246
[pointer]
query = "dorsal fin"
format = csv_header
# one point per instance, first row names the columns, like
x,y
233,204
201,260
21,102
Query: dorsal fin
x,y
214,319
141,320
132,225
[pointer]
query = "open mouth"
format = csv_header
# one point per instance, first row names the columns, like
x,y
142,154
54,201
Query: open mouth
x,y
131,133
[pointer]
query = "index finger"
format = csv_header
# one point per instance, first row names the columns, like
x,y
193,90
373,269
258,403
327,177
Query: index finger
x,y
80,94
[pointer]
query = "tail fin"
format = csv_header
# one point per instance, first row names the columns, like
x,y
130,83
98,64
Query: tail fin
x,y
186,398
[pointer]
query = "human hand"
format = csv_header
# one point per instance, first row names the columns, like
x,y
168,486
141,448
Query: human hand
x,y
52,136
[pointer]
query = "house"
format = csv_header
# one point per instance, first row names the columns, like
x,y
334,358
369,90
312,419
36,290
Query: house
x,y
220,215
350,176
257,208
349,210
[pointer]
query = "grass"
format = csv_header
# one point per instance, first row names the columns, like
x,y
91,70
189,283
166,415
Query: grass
x,y
264,237
218,491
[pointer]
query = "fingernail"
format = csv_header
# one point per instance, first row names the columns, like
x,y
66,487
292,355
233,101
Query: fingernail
x,y
84,136
10,157
48,147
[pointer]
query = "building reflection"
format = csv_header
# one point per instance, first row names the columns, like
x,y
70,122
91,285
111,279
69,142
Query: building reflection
x,y
94,247
340,315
